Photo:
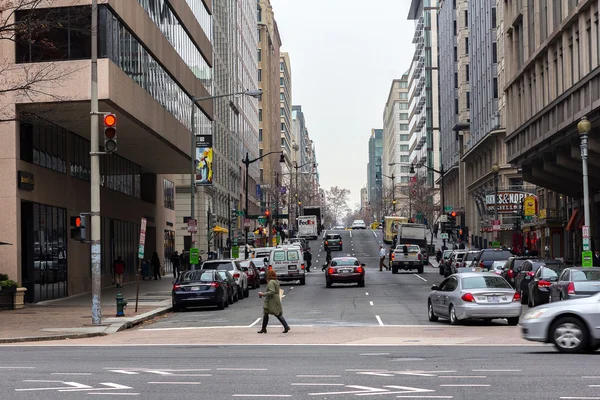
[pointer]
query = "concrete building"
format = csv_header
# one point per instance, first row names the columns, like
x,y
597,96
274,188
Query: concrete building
x,y
424,135
285,105
552,80
44,159
269,44
396,147
374,171
304,170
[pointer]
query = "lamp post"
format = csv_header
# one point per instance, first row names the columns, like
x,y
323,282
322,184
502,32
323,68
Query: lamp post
x,y
584,127
393,178
496,171
252,93
247,161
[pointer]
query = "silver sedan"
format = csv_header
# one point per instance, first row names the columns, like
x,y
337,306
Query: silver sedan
x,y
572,325
474,295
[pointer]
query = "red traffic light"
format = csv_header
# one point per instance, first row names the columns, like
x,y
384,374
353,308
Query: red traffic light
x,y
453,213
110,120
78,222
267,213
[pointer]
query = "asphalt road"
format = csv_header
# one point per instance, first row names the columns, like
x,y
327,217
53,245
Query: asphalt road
x,y
301,372
385,300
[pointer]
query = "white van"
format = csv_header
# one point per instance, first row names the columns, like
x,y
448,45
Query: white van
x,y
262,252
288,263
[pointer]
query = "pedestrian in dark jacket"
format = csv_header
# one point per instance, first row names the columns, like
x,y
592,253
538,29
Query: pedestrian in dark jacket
x,y
327,260
272,303
308,259
119,268
176,261
156,266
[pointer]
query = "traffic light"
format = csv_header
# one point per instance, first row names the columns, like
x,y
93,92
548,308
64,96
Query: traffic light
x,y
451,224
110,133
233,216
268,216
79,227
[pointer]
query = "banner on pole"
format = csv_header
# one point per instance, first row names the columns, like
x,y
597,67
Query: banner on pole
x,y
204,159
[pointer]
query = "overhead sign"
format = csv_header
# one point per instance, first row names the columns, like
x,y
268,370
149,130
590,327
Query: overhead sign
x,y
142,239
443,218
204,159
530,206
507,202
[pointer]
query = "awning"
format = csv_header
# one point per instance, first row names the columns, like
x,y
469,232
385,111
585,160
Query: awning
x,y
220,229
572,219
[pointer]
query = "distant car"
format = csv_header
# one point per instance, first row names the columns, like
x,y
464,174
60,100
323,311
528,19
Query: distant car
x,y
539,285
345,270
497,267
512,267
333,241
576,283
234,269
474,296
425,255
251,239
301,242
339,228
486,257
569,325
199,288
468,259
528,271
261,266
359,224
249,267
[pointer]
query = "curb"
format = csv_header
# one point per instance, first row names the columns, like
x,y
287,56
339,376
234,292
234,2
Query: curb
x,y
113,328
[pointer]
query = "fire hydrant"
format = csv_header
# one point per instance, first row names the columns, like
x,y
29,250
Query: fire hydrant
x,y
121,304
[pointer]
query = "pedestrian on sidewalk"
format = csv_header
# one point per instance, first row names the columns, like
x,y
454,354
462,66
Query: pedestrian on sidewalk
x,y
156,266
272,303
382,258
119,270
176,261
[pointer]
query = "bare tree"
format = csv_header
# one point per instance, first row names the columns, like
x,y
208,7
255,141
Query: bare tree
x,y
424,200
337,203
22,23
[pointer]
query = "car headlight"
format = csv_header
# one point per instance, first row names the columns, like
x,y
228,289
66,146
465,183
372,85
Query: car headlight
x,y
535,314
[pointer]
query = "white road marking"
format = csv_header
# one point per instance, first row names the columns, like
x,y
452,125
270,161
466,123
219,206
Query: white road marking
x,y
497,370
591,377
17,367
318,376
379,320
242,369
407,359
366,293
317,384
463,376
70,385
464,385
374,234
261,395
424,397
174,383
254,323
580,398
115,394
370,303
593,385
111,386
350,234
375,354
420,277
122,371
71,373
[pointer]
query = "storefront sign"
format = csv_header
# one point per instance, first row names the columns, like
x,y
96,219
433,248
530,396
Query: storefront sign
x,y
507,202
26,180
194,256
530,206
542,214
587,259
204,158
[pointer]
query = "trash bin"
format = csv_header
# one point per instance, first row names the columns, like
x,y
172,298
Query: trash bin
x,y
146,270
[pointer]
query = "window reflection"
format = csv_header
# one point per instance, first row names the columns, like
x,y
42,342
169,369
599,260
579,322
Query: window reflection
x,y
44,144
202,16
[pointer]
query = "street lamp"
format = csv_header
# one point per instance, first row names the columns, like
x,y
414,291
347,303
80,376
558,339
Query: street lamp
x,y
495,171
584,127
252,93
247,163
393,178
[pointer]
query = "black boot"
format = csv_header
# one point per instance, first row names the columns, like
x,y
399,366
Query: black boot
x,y
286,327
265,322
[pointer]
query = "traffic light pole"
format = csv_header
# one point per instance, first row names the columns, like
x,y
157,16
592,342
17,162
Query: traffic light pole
x,y
95,176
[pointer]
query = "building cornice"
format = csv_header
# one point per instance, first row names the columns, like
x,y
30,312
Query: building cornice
x,y
484,141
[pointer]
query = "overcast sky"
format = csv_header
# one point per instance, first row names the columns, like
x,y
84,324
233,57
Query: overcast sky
x,y
344,55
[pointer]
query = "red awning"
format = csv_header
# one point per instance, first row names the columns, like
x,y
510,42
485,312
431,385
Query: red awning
x,y
572,219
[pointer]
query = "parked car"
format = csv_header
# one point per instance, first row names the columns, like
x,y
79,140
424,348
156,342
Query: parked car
x,y
261,266
199,288
497,267
261,253
249,267
345,270
486,257
469,257
528,270
333,241
539,285
575,283
445,257
454,262
232,287
235,269
512,267
474,296
566,324
300,242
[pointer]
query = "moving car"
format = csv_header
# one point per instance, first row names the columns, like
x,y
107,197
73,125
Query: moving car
x,y
333,241
576,283
407,257
235,269
288,263
359,224
539,285
249,267
199,288
474,295
526,273
345,270
569,325
486,257
261,266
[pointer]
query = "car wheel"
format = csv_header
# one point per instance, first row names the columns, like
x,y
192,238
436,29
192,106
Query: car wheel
x,y
221,304
524,299
513,321
394,270
240,293
235,296
361,283
430,313
177,307
569,335
453,318
247,292
420,270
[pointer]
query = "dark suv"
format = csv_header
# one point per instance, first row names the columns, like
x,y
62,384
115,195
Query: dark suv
x,y
527,272
486,257
512,267
333,241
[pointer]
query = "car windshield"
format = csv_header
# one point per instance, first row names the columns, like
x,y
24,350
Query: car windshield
x,y
224,266
460,256
518,263
555,267
483,282
223,274
342,262
196,276
590,275
447,253
333,236
470,256
496,255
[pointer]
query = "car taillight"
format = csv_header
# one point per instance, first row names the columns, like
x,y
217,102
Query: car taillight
x,y
326,242
511,274
358,269
468,297
393,256
481,264
340,242
302,266
236,275
464,265
262,269
531,273
419,257
176,287
214,284
516,297
544,284
331,271
571,288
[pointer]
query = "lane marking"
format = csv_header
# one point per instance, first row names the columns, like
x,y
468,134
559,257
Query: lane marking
x,y
464,385
242,369
593,385
317,384
366,293
375,354
115,394
318,376
350,234
261,395
255,322
580,398
379,320
463,376
374,234
371,303
497,370
420,277
174,383
424,397
590,377
17,367
71,373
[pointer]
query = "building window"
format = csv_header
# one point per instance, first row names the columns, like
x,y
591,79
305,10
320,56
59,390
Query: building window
x,y
495,87
260,117
403,147
456,80
468,100
455,28
259,55
467,45
403,127
466,18
282,127
259,38
405,168
404,158
281,82
122,175
80,157
404,179
169,194
456,106
467,72
404,84
403,137
119,238
281,96
282,111
455,54
403,106
44,144
258,13
260,75
260,135
404,95
494,23
495,53
403,115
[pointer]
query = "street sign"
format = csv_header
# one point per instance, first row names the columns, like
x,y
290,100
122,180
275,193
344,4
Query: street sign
x,y
444,236
586,244
262,220
496,225
194,256
235,251
448,209
240,212
192,225
495,245
587,259
585,231
443,218
142,239
194,238
247,222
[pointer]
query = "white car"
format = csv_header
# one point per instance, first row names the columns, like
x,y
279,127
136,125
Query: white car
x,y
359,224
235,269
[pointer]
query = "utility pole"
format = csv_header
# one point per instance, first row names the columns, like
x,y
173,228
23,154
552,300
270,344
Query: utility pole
x,y
96,252
193,168
229,224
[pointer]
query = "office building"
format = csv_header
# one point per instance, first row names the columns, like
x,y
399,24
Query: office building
x,y
374,171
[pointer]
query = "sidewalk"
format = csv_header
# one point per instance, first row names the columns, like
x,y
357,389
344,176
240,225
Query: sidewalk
x,y
71,317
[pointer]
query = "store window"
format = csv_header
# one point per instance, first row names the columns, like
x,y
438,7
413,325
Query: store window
x,y
44,144
169,193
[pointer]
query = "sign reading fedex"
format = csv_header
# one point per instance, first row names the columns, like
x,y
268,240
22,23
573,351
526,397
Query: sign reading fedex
x,y
307,227
307,221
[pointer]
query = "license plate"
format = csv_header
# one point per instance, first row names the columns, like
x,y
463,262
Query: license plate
x,y
345,271
527,277
493,299
290,267
195,288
